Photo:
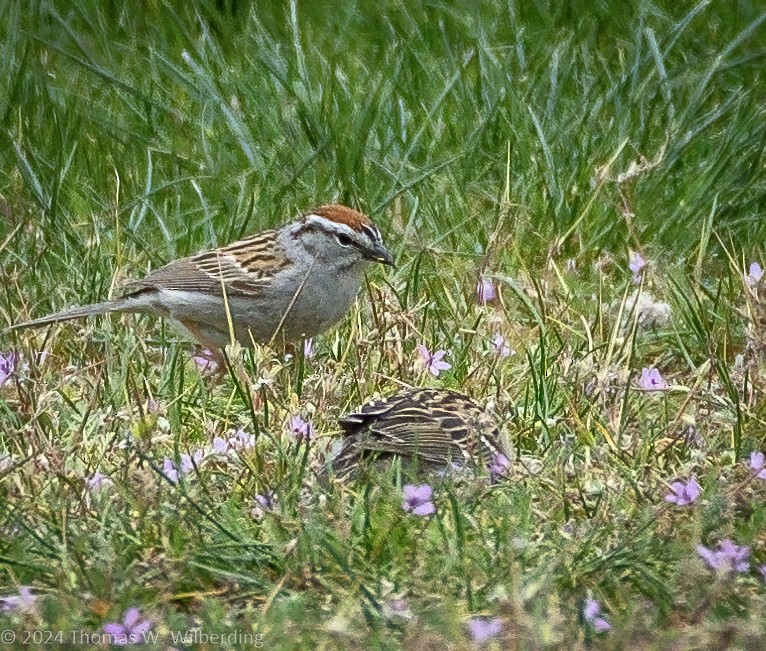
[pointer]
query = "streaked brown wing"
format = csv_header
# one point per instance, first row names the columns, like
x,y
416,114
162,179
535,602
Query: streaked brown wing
x,y
243,266
436,427
415,431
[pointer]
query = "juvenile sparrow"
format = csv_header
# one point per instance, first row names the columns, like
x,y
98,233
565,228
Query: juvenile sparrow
x,y
295,281
430,429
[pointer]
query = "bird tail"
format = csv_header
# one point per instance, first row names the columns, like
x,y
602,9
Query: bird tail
x,y
70,314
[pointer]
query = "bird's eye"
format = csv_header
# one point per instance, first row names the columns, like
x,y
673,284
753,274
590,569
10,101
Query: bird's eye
x,y
343,240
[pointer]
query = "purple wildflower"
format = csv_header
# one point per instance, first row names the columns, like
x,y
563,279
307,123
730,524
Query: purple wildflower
x,y
417,500
308,348
484,628
397,608
592,614
169,470
302,429
7,366
728,556
499,345
174,472
754,275
264,502
684,494
757,461
267,500
220,445
498,466
434,362
24,602
485,291
242,440
652,380
131,630
762,570
636,264
205,361
188,462
97,481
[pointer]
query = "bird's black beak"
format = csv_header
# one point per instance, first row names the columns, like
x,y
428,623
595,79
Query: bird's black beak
x,y
379,253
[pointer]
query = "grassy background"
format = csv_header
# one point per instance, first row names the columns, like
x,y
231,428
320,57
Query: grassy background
x,y
535,143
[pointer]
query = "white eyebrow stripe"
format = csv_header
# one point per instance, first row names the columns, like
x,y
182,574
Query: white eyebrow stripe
x,y
327,224
373,232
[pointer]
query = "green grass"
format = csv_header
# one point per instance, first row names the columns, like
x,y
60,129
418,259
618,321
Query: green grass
x,y
534,143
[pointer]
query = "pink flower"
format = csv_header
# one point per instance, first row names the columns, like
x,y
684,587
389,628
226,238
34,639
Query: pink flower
x,y
417,500
188,462
757,461
754,275
131,630
97,481
205,361
484,628
727,558
637,265
302,429
397,608
652,380
220,445
169,470
501,348
267,500
24,602
174,472
7,366
499,466
242,440
684,494
485,291
592,614
433,362
264,502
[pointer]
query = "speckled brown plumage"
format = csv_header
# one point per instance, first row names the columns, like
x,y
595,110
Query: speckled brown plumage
x,y
429,429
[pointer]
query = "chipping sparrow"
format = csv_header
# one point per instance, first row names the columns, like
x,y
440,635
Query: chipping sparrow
x,y
429,428
296,281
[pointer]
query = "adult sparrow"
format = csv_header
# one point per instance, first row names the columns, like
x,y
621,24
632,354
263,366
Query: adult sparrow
x,y
296,281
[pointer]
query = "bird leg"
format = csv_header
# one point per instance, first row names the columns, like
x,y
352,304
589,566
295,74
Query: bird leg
x,y
215,351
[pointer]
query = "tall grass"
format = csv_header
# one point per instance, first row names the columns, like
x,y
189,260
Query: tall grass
x,y
534,144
